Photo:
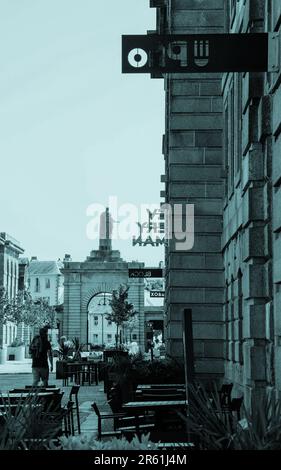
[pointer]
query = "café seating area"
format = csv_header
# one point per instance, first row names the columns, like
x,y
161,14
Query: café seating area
x,y
47,402
155,408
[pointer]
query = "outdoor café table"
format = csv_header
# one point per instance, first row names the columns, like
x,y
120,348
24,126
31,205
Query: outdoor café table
x,y
20,397
32,390
137,408
148,386
149,394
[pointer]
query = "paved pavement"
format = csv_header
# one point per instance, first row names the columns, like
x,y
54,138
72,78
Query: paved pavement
x,y
16,367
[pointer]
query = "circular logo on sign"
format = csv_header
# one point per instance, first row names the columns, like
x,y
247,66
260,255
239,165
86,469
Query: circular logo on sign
x,y
137,58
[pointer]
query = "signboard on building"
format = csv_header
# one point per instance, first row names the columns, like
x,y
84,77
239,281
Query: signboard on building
x,y
195,53
145,273
157,293
154,292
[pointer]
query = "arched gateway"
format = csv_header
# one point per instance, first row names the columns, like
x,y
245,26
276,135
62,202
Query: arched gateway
x,y
101,273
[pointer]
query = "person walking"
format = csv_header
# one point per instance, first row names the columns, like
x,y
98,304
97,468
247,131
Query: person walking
x,y
41,351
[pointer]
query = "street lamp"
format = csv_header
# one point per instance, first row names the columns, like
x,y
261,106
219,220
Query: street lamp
x,y
150,340
103,302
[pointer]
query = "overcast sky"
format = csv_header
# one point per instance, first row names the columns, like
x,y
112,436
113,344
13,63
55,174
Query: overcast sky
x,y
73,129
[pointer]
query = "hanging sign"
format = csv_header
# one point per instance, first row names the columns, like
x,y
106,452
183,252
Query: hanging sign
x,y
195,53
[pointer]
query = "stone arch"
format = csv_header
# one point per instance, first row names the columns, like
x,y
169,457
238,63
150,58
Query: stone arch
x,y
100,288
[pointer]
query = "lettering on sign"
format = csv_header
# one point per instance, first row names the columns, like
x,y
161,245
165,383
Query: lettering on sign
x,y
157,293
143,273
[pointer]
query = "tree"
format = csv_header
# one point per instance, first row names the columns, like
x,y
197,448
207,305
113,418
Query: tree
x,y
23,309
122,310
5,311
131,325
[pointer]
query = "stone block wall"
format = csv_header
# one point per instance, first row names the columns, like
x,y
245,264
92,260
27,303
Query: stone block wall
x,y
251,213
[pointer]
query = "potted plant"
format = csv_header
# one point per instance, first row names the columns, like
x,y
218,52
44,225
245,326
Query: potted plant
x,y
64,350
78,347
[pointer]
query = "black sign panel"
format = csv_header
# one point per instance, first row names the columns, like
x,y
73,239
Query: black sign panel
x,y
142,273
195,53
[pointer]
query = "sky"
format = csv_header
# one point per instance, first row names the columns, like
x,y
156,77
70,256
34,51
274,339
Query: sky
x,y
74,130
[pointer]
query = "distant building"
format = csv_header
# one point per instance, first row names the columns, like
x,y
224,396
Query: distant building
x,y
10,250
88,289
23,274
45,280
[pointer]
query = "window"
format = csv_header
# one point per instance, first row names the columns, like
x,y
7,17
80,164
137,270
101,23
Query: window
x,y
109,337
225,146
134,337
47,283
240,317
230,149
37,285
109,322
232,132
96,320
95,337
237,117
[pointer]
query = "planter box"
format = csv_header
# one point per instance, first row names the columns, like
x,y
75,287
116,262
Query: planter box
x,y
61,370
110,353
17,353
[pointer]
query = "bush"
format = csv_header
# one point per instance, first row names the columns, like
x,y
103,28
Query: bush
x,y
213,429
27,427
89,442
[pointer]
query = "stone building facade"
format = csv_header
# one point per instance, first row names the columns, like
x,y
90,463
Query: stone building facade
x,y
222,149
10,250
252,212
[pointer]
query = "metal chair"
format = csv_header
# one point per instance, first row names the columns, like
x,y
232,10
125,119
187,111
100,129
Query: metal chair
x,y
235,406
69,419
90,373
225,395
122,423
75,406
